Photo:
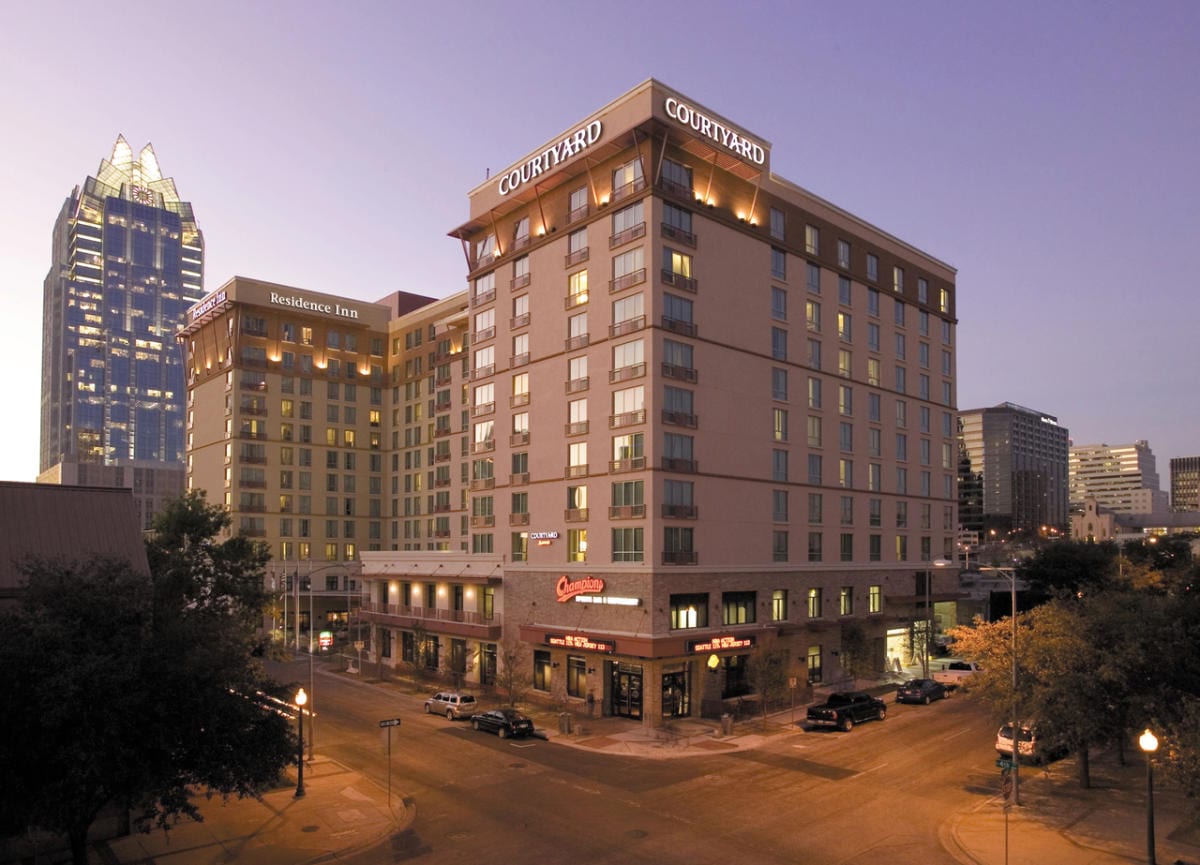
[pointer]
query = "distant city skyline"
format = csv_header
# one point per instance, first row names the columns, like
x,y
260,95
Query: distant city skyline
x,y
1045,152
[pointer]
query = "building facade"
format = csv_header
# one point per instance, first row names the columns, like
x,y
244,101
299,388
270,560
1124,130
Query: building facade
x,y
1012,471
686,415
1185,484
128,261
1121,478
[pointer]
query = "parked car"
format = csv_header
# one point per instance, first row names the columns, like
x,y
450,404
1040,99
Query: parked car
x,y
921,691
956,673
503,722
844,709
1035,746
452,704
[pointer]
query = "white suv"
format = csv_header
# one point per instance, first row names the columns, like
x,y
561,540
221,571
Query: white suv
x,y
452,704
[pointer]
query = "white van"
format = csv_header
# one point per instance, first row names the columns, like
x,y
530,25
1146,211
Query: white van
x,y
1033,747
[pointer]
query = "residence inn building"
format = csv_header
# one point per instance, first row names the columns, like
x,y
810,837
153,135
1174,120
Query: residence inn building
x,y
684,411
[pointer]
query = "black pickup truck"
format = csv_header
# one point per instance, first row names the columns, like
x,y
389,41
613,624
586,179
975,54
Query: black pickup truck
x,y
844,709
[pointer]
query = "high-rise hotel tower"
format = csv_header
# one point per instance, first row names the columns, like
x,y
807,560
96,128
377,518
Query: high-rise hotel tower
x,y
128,261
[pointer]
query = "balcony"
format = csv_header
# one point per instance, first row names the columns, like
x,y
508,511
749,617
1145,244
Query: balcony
x,y
521,242
441,457
249,384
628,280
518,399
248,484
634,464
253,460
483,446
483,335
578,214
686,283
680,512
577,428
483,372
625,190
670,464
485,521
469,623
518,321
483,297
254,410
518,479
482,409
575,515
442,432
252,509
626,373
576,385
576,342
517,360
258,435
629,325
680,418
628,418
441,482
680,373
683,328
678,234
482,484
518,519
442,380
580,471
579,256
441,406
626,512
679,557
679,189
626,236
579,298
518,438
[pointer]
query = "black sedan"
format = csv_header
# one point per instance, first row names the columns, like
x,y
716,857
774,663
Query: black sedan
x,y
503,722
921,691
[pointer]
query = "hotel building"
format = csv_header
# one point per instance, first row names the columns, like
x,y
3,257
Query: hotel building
x,y
685,411
128,260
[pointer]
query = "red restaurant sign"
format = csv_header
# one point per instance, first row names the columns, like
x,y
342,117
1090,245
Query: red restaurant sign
x,y
566,589
716,644
578,641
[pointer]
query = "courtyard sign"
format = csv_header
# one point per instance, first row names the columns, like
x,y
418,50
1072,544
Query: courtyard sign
x,y
686,115
574,144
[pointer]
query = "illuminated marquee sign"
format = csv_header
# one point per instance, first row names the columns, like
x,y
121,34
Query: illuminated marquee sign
x,y
686,115
717,644
578,641
208,305
566,589
543,539
297,302
574,144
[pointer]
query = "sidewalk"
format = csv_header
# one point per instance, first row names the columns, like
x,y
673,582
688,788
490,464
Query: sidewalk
x,y
1057,822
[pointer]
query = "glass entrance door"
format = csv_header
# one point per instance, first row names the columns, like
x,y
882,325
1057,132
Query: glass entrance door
x,y
675,699
627,690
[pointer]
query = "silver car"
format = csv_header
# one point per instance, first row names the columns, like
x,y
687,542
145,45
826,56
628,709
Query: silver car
x,y
452,704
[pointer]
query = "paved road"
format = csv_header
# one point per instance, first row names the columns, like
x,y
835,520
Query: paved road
x,y
879,794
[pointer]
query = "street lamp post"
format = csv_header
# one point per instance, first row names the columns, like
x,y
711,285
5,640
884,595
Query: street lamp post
x,y
1149,744
301,699
1016,733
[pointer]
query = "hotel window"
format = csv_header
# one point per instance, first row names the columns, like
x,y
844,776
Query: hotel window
x,y
813,279
872,267
779,465
873,368
577,288
485,250
846,601
875,548
875,599
812,240
843,255
874,407
737,608
814,392
779,343
577,373
779,383
901,480
945,332
485,435
678,404
814,353
577,246
922,290
923,355
814,664
628,223
814,603
812,315
897,279
485,398
520,389
577,204
902,446
520,422
306,336
922,322
679,266
922,386
947,423
628,267
520,546
845,436
846,473
679,449
679,545
901,413
845,363
627,179
679,499
901,380
577,545
845,327
779,506
778,223
901,346
899,313
628,447
924,484
926,450
485,324
814,432
628,494
779,597
844,293
778,263
779,546
521,232
845,399
678,219
779,424
947,455
577,417
520,271
541,670
846,547
875,511
874,480
944,304
677,175
577,459
577,328
778,303
816,508
901,548
902,515
946,363
677,311
814,469
689,611
678,357
846,510
627,355
485,360
627,309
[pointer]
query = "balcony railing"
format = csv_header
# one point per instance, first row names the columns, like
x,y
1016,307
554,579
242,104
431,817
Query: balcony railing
x,y
685,237
578,298
575,385
466,617
517,321
518,519
577,214
683,328
483,297
682,190
482,409
629,234
625,373
679,557
483,521
680,418
680,512
518,399
579,256
627,280
628,418
674,464
254,410
629,325
634,464
518,479
483,446
580,471
518,438
682,373
483,371
575,515
519,359
627,189
626,512
578,428
686,283
442,405
576,342
482,484
483,335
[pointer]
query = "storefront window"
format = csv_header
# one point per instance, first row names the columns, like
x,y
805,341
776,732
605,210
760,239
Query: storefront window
x,y
576,676
541,670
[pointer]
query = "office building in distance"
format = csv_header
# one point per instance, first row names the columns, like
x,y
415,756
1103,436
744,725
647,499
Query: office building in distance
x,y
1121,478
1185,484
128,261
686,414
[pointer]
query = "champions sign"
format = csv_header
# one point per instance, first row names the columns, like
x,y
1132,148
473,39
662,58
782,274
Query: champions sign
x,y
566,589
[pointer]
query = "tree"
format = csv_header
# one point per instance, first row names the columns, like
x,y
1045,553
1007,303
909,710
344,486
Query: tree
x,y
768,671
1069,568
510,677
133,690
857,658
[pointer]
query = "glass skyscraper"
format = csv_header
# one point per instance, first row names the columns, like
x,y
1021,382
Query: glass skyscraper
x,y
128,260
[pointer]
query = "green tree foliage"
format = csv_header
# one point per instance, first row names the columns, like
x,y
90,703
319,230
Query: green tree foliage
x,y
1069,568
133,691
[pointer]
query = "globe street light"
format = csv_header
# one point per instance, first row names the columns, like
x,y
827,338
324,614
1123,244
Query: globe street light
x,y
1149,744
301,699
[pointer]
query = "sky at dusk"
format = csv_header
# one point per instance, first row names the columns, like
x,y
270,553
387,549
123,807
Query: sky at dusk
x,y
1047,150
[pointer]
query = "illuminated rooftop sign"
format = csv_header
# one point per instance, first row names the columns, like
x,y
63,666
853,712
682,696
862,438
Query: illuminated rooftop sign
x,y
698,121
574,144
297,302
211,303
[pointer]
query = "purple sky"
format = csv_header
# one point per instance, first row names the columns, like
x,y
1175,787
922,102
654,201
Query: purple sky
x,y
1046,150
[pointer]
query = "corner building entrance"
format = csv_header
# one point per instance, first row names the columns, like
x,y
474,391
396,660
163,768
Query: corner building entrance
x,y
626,690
